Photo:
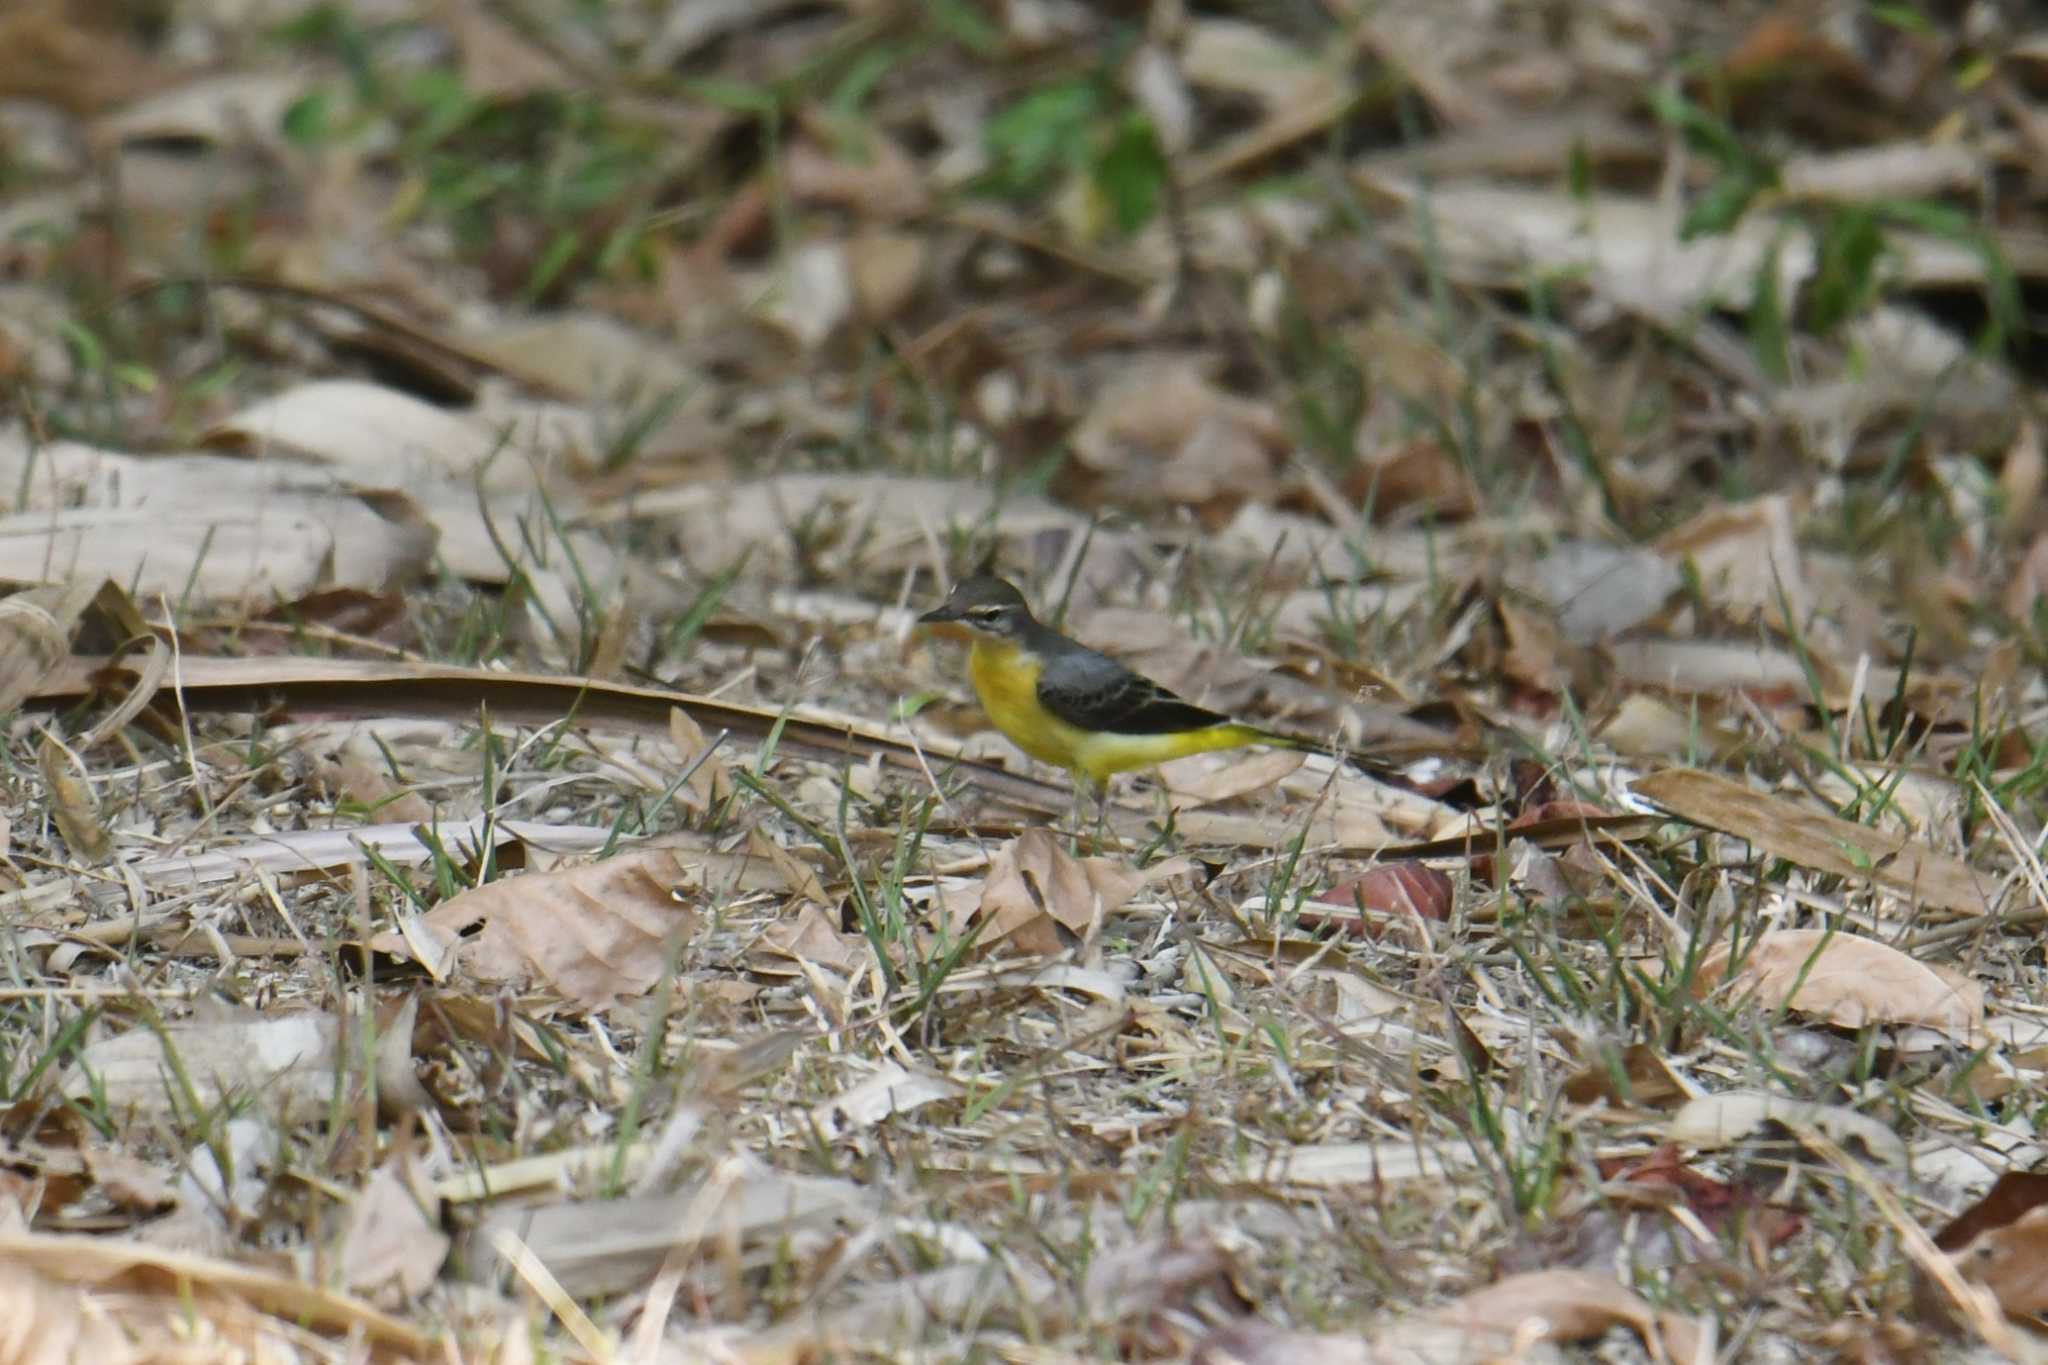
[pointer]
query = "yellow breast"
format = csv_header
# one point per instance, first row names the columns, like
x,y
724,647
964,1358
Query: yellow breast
x,y
1006,679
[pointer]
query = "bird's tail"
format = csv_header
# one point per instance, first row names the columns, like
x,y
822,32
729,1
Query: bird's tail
x,y
1280,739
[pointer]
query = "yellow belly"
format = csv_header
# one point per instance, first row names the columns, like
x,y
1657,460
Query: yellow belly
x,y
1006,680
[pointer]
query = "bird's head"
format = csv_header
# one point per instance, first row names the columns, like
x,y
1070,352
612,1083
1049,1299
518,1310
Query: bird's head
x,y
984,604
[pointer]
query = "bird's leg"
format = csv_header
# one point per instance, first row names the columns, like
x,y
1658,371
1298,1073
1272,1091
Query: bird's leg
x,y
1084,787
1101,790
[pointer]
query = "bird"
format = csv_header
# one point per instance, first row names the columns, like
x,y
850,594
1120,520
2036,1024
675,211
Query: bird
x,y
1075,707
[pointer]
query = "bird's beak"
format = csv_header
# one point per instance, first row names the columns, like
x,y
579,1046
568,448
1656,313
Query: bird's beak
x,y
940,614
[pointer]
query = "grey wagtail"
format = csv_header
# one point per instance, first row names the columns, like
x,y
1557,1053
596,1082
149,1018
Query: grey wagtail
x,y
1066,704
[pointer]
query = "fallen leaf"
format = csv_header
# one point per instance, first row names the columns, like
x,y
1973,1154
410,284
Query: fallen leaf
x,y
391,1246
223,109
593,933
1640,1078
1732,1115
1848,980
1599,591
1572,1305
497,61
338,689
72,803
887,268
605,1246
35,635
202,526
1254,1341
2022,478
1536,655
1204,778
798,877
809,294
1035,890
1708,667
812,937
1405,889
1417,476
1819,840
1715,1203
1644,726
1164,431
42,1313
127,1181
381,436
2012,1262
1747,562
288,1060
891,1090
2011,1197
187,1288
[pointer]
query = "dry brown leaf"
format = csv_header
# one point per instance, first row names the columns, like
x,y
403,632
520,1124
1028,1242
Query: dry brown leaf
x,y
588,356
359,769
892,1089
2013,1195
497,61
1824,842
1166,431
887,268
1035,890
1703,667
807,295
593,933
1719,1120
382,437
1398,889
128,1182
168,1290
50,51
1572,1305
1847,980
1644,1080
2012,1262
1416,476
1248,59
318,851
1644,726
223,109
2022,477
812,937
1202,778
1625,248
248,556
44,1322
201,526
289,1060
1536,655
603,1246
1300,94
708,782
391,1246
35,634
1599,591
799,878
340,689
1747,560
72,802
880,183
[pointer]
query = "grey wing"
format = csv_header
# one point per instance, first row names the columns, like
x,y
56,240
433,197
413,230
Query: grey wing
x,y
1094,692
